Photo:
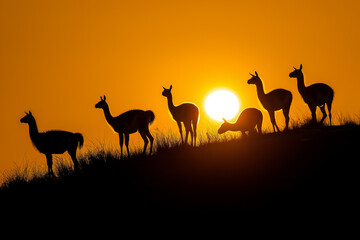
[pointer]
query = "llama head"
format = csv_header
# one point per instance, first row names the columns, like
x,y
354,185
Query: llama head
x,y
167,92
296,73
28,118
254,79
102,103
224,127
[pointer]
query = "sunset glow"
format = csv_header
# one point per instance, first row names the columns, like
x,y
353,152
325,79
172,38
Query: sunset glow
x,y
58,57
222,104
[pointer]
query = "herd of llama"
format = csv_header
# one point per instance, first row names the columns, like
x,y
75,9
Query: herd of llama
x,y
250,119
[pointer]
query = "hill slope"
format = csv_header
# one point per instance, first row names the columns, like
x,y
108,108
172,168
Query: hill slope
x,y
297,172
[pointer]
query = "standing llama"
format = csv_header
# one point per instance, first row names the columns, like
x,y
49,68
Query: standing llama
x,y
247,121
273,101
53,142
129,122
317,94
188,113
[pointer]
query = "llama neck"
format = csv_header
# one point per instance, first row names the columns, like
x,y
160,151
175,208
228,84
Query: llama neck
x,y
109,118
260,91
300,83
171,104
34,133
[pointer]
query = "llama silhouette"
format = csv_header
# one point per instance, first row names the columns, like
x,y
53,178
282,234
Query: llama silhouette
x,y
53,142
317,94
129,122
187,113
275,100
247,121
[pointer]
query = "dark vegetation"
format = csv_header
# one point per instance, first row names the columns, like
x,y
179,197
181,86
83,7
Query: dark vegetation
x,y
306,171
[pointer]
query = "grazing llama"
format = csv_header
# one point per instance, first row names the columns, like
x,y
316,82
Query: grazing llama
x,y
317,94
247,121
273,101
53,142
188,113
129,122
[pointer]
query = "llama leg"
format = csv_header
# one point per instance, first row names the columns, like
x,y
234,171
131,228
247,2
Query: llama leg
x,y
287,118
322,108
49,164
329,109
148,134
187,129
180,130
72,154
121,140
272,119
191,134
146,141
127,143
194,122
186,135
313,112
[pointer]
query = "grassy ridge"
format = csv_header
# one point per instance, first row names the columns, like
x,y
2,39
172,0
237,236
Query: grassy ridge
x,y
305,170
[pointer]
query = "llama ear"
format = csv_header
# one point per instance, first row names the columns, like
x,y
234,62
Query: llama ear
x,y
104,98
300,66
294,68
251,75
224,120
101,98
256,74
170,87
30,112
163,87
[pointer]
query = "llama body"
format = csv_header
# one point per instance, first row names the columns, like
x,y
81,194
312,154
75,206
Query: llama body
x,y
129,122
186,113
278,99
246,122
53,142
315,95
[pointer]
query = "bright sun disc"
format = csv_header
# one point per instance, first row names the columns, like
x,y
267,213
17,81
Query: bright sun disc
x,y
222,104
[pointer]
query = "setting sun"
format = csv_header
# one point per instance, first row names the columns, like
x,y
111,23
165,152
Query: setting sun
x,y
222,104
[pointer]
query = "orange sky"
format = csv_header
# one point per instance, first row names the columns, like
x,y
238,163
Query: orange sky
x,y
58,57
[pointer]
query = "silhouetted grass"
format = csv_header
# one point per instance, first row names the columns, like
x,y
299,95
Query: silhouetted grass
x,y
305,170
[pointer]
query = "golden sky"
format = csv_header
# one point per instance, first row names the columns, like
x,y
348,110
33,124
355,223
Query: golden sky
x,y
58,57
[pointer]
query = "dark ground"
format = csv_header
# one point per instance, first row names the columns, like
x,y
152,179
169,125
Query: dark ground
x,y
307,173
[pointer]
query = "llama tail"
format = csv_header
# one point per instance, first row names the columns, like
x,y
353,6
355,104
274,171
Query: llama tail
x,y
80,139
150,116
